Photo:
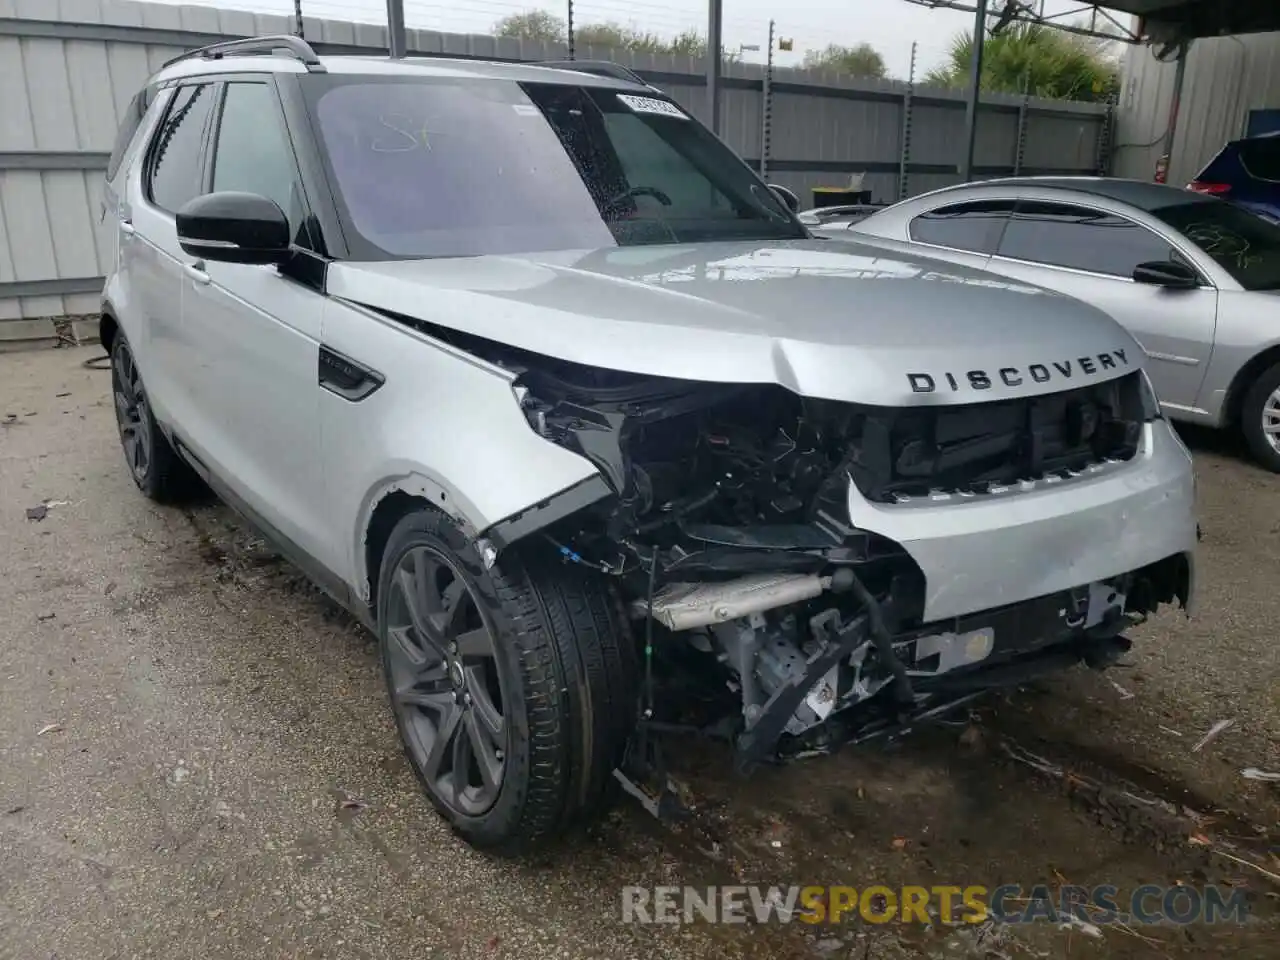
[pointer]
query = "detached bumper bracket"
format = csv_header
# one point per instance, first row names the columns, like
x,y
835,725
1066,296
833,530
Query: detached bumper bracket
x,y
760,741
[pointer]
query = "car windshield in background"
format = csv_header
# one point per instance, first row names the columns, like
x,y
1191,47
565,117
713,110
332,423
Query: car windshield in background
x,y
463,168
1243,244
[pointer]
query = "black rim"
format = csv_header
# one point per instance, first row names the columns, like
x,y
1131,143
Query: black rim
x,y
131,412
445,684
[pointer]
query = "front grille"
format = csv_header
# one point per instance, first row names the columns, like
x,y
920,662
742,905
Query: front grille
x,y
909,452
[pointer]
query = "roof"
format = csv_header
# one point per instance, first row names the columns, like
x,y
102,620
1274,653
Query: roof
x,y
1186,19
1142,194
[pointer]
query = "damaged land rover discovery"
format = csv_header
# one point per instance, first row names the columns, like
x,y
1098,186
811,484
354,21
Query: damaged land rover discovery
x,y
533,375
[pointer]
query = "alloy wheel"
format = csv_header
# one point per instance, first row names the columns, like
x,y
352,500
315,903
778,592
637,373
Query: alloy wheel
x,y
446,689
1271,420
132,414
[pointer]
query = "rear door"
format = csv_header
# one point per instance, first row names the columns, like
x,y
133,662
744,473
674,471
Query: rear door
x,y
167,177
1260,189
1090,254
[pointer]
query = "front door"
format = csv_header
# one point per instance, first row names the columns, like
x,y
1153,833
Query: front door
x,y
1090,254
255,333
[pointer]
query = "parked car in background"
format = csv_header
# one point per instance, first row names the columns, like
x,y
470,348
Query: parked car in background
x,y
1196,280
1246,172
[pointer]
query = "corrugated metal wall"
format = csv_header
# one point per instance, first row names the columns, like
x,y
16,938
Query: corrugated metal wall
x,y
1226,77
69,67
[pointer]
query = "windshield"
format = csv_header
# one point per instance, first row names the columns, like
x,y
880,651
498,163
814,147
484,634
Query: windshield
x,y
1243,244
428,168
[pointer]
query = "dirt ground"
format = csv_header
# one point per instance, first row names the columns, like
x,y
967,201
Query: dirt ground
x,y
197,760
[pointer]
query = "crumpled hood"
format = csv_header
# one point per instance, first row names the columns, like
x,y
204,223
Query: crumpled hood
x,y
845,321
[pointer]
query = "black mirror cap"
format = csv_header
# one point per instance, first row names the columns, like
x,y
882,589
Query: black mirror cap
x,y
1166,273
234,227
786,196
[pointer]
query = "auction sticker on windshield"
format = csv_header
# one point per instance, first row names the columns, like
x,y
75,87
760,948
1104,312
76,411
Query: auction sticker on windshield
x,y
652,105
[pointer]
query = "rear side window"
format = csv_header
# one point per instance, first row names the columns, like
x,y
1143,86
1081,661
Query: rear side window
x,y
129,123
173,165
963,226
1063,235
1261,158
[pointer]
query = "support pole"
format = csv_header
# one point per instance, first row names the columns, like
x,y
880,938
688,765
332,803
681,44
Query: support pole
x,y
396,46
975,88
715,20
297,18
766,109
1175,102
570,31
904,148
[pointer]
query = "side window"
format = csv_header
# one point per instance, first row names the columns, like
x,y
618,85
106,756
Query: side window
x,y
129,124
253,154
1067,236
649,161
1261,158
173,166
963,226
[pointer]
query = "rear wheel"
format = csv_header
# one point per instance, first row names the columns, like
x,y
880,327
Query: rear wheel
x,y
1260,418
157,470
512,688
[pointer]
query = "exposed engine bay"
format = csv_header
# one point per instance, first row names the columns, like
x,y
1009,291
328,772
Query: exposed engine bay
x,y
727,532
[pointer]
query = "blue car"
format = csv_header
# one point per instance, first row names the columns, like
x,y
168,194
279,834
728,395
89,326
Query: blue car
x,y
1246,172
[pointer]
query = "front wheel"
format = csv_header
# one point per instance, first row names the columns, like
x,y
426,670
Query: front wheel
x,y
512,688
1260,418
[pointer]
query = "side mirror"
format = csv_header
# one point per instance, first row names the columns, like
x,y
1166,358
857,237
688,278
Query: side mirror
x,y
1166,273
234,228
786,196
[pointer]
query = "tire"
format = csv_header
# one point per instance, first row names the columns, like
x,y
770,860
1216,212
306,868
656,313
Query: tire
x,y
539,646
1261,408
157,470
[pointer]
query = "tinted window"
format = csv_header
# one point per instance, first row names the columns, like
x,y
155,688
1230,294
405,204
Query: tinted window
x,y
253,153
173,168
1262,157
963,226
453,168
1077,237
1243,244
133,115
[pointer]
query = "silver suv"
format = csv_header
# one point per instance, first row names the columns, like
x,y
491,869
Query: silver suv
x,y
534,376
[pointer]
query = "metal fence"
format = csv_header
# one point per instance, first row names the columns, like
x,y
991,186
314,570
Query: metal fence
x,y
68,69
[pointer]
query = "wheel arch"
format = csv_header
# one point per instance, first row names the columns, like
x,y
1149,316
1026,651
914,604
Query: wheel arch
x,y
108,328
1245,376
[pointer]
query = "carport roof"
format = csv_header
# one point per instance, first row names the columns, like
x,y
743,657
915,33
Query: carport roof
x,y
1165,20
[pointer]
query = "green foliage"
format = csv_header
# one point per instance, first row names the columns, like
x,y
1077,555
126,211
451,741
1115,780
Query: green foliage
x,y
1040,60
540,25
532,25
862,60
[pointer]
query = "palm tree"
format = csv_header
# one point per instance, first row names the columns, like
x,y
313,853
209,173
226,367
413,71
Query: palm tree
x,y
1035,59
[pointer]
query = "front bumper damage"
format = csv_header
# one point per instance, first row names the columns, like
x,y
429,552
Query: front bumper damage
x,y
1017,583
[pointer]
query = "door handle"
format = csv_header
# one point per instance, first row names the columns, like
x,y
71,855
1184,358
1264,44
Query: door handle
x,y
127,228
196,271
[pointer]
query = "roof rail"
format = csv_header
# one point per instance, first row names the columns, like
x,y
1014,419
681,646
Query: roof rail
x,y
601,68
298,48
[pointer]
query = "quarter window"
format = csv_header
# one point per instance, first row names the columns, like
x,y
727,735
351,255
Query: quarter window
x,y
129,123
1063,235
963,226
253,154
173,168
